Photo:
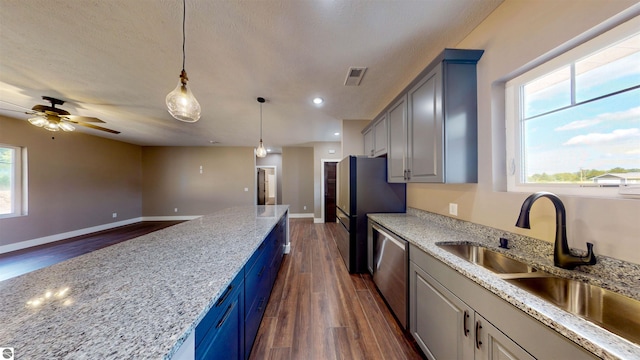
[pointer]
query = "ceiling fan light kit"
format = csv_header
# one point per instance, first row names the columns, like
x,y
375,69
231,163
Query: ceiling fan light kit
x,y
181,103
261,151
54,119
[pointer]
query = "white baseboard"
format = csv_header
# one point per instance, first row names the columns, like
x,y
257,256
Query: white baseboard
x,y
301,216
170,218
57,237
318,221
287,248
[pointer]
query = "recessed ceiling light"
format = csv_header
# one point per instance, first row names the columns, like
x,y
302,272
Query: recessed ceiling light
x,y
318,100
269,150
336,134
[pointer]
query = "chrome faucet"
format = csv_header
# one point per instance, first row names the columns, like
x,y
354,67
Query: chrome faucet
x,y
562,256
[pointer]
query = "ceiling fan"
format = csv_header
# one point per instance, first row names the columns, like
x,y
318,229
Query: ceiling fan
x,y
54,119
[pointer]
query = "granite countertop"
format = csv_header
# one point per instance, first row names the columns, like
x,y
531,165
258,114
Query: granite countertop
x,y
426,230
139,299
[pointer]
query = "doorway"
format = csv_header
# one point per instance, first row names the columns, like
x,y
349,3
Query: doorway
x,y
266,191
329,190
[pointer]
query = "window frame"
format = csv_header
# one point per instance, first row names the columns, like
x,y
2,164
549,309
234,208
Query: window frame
x,y
18,189
514,106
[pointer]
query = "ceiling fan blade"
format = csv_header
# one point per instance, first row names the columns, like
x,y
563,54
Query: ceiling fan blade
x,y
96,127
86,119
18,111
15,105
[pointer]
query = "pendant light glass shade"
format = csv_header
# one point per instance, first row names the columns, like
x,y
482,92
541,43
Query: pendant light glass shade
x,y
181,103
261,151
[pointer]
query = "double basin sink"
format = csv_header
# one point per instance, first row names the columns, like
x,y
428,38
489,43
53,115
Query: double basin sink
x,y
608,309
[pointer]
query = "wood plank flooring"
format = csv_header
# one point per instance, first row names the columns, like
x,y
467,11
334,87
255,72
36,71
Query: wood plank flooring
x,y
317,310
20,262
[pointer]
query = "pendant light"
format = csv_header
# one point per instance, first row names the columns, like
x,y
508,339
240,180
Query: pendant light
x,y
181,103
261,151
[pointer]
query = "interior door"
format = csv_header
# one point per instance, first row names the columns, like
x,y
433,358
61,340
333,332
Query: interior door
x,y
330,192
261,187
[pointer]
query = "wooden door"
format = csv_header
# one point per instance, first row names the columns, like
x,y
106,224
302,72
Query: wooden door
x,y
330,192
261,187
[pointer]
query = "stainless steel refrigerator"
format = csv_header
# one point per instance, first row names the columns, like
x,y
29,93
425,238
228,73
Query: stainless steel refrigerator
x,y
363,189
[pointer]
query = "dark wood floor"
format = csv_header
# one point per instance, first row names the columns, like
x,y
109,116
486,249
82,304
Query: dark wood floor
x,y
317,310
23,261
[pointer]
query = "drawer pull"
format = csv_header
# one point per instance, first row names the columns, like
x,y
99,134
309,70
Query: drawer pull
x,y
464,323
225,295
261,271
225,317
478,341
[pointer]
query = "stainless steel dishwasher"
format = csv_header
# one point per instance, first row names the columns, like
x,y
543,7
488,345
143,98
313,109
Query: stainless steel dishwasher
x,y
388,262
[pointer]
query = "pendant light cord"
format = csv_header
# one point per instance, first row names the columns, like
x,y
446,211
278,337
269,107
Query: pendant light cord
x,y
260,121
184,15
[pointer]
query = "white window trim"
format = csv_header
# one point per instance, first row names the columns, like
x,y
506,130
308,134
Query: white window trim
x,y
513,124
18,181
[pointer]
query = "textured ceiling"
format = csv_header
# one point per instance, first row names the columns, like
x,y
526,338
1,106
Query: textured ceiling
x,y
118,59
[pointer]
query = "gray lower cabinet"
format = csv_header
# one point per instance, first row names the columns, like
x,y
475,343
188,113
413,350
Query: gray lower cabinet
x,y
451,317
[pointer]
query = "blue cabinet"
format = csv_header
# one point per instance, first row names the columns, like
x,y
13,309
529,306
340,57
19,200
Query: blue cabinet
x,y
222,329
230,327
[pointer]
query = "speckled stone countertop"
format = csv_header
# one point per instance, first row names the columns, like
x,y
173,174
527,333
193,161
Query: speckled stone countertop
x,y
139,299
426,230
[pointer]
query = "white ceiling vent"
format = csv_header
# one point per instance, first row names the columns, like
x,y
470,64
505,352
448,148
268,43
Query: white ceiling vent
x,y
354,76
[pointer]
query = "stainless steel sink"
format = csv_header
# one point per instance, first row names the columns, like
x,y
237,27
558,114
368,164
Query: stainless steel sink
x,y
489,259
614,312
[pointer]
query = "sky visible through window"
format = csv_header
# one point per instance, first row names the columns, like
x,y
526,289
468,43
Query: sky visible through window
x,y
566,130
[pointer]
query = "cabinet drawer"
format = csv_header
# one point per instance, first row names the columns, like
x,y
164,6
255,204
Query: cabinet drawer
x,y
219,307
225,338
256,255
256,278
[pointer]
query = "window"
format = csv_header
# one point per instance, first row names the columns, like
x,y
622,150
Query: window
x,y
12,191
573,123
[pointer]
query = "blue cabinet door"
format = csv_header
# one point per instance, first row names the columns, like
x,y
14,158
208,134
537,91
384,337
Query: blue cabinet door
x,y
225,340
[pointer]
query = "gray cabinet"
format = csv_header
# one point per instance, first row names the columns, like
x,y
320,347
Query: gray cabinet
x,y
380,134
375,137
369,146
397,153
451,317
438,139
460,333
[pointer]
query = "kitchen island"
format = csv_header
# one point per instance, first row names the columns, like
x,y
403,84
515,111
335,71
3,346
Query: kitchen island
x,y
138,299
425,231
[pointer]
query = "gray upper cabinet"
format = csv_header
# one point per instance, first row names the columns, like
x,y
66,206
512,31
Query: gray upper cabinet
x,y
433,124
397,145
380,134
375,137
369,146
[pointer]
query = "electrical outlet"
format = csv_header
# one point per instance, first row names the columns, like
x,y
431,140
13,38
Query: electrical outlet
x,y
175,209
304,207
453,209
201,169
246,189
114,215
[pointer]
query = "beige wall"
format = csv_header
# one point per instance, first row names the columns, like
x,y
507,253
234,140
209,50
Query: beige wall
x,y
76,181
517,33
274,160
352,138
172,179
297,179
321,150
